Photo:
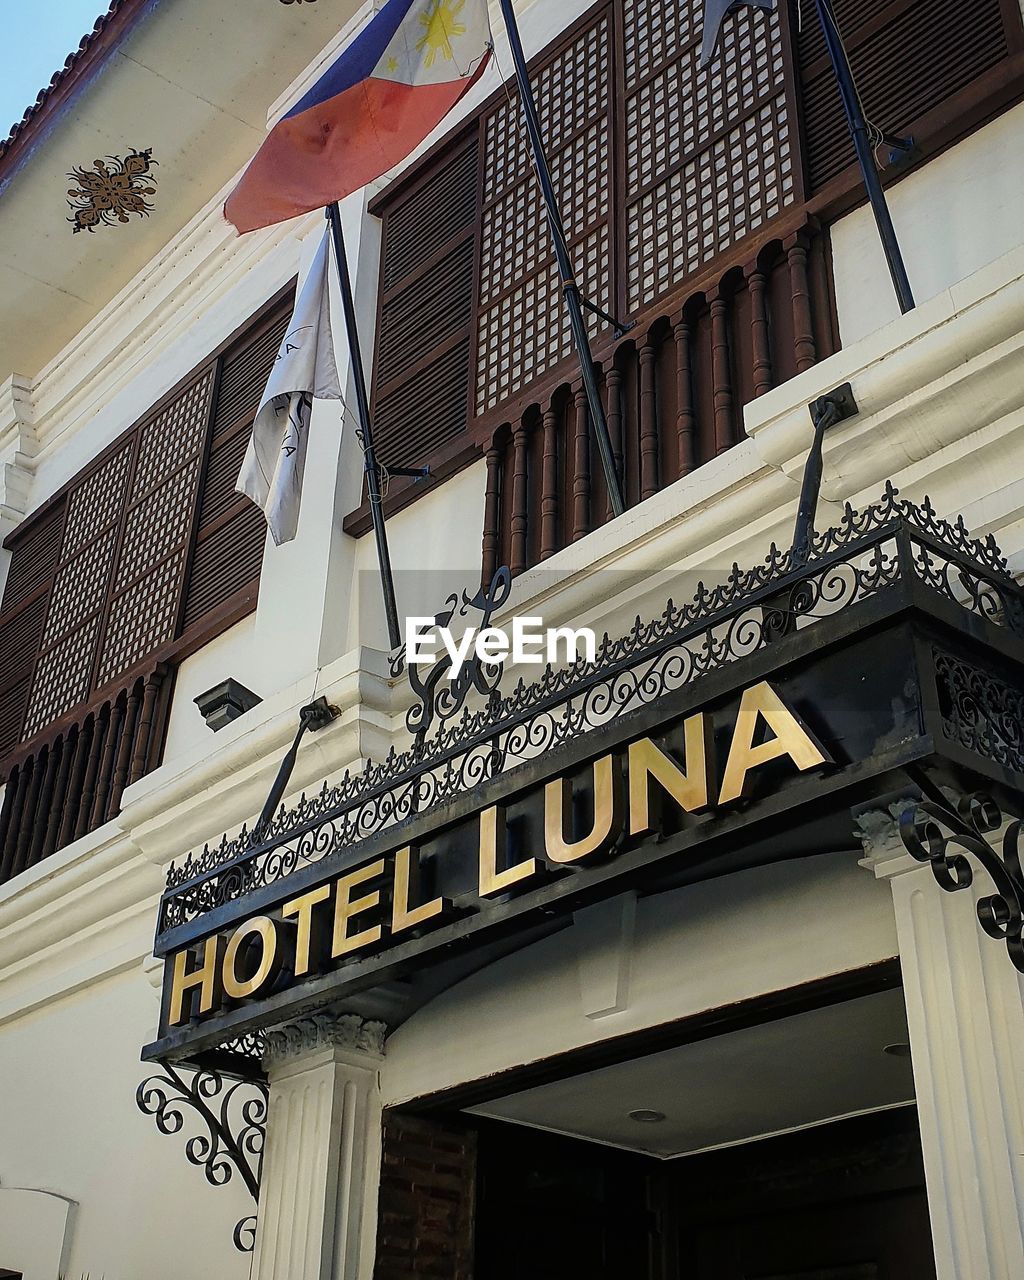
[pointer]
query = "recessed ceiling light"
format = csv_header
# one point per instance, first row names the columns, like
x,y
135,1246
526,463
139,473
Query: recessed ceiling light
x,y
898,1050
644,1116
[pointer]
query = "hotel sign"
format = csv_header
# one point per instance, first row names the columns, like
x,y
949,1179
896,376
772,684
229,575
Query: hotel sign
x,y
576,825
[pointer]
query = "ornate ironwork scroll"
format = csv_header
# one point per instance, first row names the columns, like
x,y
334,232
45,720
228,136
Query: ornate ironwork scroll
x,y
980,712
952,837
109,193
440,704
233,1114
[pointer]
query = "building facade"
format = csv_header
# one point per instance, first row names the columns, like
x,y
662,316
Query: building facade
x,y
701,958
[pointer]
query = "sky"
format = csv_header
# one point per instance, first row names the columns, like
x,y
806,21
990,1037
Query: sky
x,y
37,37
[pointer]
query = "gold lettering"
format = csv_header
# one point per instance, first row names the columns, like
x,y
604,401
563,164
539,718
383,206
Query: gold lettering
x,y
302,908
407,886
265,929
558,815
688,789
346,908
791,739
492,838
204,977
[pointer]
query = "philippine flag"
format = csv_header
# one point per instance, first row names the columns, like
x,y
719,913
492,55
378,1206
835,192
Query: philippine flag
x,y
369,110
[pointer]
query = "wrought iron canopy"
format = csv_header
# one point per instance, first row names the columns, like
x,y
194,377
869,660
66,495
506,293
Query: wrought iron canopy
x,y
903,633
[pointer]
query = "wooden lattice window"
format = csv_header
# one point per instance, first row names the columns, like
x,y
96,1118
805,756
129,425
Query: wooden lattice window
x,y
709,157
145,554
523,331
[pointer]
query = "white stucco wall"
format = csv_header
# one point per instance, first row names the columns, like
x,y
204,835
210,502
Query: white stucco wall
x,y
952,216
69,1125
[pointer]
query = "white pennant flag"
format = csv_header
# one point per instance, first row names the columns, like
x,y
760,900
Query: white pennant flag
x,y
305,370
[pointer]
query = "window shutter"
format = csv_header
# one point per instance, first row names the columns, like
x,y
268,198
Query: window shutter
x,y
34,556
161,502
232,530
908,58
100,579
421,384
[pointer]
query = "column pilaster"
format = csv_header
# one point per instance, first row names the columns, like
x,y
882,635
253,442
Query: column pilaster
x,y
966,1019
318,1195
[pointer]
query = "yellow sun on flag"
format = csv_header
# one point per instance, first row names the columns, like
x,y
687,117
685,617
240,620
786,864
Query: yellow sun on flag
x,y
440,24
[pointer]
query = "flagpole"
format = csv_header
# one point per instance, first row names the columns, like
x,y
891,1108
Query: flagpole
x,y
366,430
570,289
865,155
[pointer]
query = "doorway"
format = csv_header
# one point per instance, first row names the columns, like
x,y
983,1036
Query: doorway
x,y
786,1149
842,1201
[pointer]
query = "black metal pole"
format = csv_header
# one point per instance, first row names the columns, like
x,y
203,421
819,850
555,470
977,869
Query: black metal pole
x,y
865,154
366,430
570,289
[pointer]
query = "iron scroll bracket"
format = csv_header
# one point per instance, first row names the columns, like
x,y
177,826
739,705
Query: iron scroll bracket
x,y
232,1132
955,834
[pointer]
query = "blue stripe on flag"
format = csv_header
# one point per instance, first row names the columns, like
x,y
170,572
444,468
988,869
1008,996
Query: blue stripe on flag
x,y
359,59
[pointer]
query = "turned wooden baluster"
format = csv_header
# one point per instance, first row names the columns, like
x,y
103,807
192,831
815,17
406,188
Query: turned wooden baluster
x,y
613,380
106,777
803,324
28,817
60,798
73,803
520,497
492,511
100,728
41,821
124,751
581,468
759,340
721,373
549,483
648,421
686,420
140,760
8,819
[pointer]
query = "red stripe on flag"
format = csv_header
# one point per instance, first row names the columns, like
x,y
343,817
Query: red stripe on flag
x,y
333,149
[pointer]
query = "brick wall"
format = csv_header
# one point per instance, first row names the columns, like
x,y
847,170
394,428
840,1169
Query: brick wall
x,y
425,1216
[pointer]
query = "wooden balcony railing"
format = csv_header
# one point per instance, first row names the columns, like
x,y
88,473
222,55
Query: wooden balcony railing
x,y
674,392
69,779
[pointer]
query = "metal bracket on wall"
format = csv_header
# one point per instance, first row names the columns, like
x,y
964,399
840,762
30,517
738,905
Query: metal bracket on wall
x,y
833,407
234,1113
953,833
317,715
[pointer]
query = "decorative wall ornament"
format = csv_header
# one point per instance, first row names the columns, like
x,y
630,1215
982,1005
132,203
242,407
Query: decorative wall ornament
x,y
234,1113
321,1031
951,834
109,193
